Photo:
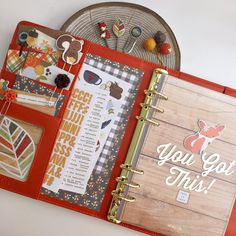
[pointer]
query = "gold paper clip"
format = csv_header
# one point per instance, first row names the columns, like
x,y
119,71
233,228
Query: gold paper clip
x,y
153,92
146,106
129,168
141,118
121,197
124,180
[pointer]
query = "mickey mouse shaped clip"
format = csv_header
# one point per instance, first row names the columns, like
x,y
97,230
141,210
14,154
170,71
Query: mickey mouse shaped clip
x,y
71,48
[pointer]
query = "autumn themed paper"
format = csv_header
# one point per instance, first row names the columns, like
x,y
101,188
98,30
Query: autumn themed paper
x,y
98,181
41,67
15,62
19,142
37,96
189,164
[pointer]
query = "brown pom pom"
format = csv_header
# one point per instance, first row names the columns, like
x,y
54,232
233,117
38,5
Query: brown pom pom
x,y
160,37
62,81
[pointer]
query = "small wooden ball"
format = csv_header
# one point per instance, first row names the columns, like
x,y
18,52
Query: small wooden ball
x,y
165,49
149,44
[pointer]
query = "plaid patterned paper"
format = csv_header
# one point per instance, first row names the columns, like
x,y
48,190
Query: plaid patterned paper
x,y
128,75
100,177
15,62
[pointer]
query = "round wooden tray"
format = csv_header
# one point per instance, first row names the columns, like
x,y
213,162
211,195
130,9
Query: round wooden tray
x,y
84,24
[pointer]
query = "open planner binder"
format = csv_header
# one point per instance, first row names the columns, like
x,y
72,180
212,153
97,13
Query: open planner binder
x,y
115,137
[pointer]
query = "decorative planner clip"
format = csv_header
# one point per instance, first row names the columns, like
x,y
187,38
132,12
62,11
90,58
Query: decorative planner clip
x,y
8,96
61,81
135,33
31,41
71,48
157,45
22,41
118,30
3,87
105,34
5,95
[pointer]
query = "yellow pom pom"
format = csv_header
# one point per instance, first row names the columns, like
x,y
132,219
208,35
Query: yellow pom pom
x,y
149,44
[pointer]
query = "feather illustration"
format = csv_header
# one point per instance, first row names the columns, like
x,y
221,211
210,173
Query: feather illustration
x,y
105,124
17,149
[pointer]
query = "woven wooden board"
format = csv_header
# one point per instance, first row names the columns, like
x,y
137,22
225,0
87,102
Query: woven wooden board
x,y
84,24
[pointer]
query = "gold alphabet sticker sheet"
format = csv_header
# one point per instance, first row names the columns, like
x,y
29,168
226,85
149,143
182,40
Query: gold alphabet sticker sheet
x,y
121,90
189,163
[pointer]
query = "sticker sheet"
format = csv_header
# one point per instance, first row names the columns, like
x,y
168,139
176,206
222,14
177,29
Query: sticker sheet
x,y
80,166
113,126
70,130
115,93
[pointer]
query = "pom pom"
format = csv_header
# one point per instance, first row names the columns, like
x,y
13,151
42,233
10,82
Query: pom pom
x,y
149,44
10,96
160,37
62,81
165,49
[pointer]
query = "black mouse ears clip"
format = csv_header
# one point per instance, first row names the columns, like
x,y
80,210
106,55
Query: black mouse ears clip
x,y
71,54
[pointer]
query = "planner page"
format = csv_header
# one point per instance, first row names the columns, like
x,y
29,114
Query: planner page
x,y
189,163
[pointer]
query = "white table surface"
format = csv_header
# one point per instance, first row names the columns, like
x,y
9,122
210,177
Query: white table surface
x,y
206,33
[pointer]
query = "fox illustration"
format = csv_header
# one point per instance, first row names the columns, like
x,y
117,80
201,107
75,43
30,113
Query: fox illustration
x,y
198,142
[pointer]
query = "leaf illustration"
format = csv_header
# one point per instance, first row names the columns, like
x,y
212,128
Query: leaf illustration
x,y
17,149
118,28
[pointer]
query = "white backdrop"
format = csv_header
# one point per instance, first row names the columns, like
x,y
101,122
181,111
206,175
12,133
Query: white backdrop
x,y
206,33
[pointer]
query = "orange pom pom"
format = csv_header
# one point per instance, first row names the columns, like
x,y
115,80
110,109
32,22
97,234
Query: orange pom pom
x,y
149,44
10,96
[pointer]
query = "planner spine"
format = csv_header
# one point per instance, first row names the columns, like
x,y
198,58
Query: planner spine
x,y
127,168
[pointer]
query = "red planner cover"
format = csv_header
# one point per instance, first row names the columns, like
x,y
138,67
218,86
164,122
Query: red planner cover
x,y
38,131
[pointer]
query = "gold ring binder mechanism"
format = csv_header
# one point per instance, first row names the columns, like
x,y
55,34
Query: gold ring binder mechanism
x,y
123,180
